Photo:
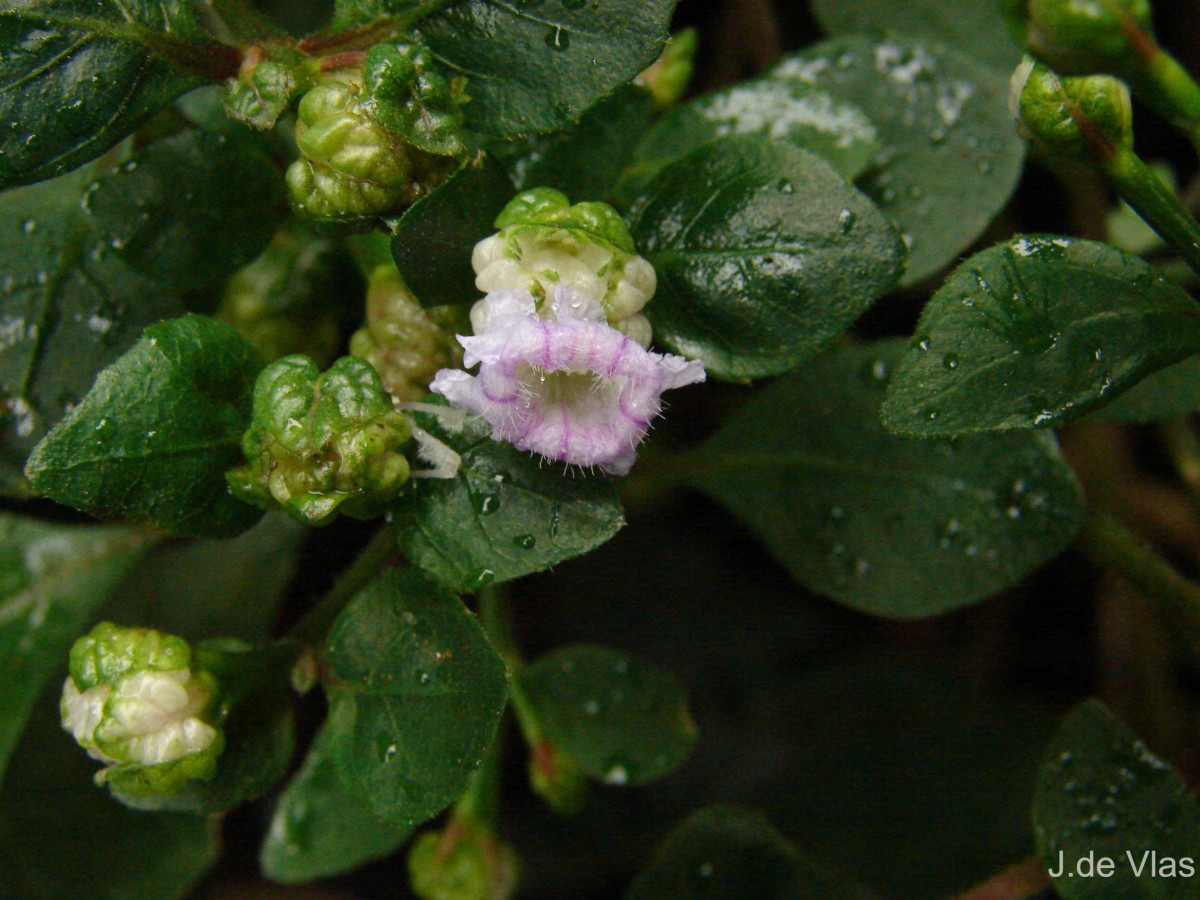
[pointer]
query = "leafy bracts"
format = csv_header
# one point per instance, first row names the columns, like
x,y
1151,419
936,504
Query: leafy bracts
x,y
134,701
322,444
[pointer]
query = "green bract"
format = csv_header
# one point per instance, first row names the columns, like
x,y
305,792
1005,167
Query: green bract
x,y
544,242
134,702
464,862
283,301
322,444
352,167
409,95
1080,36
263,88
1086,118
404,342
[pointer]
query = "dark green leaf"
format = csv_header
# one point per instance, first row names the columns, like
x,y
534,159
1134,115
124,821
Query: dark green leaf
x,y
1037,331
200,589
76,76
537,67
763,253
434,238
973,27
888,525
189,209
619,719
1101,794
418,698
61,836
504,515
582,160
259,736
725,852
768,108
1170,393
152,440
318,829
53,578
950,155
68,308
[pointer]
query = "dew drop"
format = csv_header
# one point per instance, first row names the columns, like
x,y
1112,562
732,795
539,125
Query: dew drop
x,y
525,541
591,707
846,220
923,344
950,361
29,226
786,186
617,775
705,870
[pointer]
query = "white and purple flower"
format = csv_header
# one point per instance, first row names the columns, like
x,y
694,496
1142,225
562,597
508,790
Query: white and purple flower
x,y
563,383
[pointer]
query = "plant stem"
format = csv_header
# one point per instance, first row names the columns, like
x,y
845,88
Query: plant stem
x,y
1169,87
481,801
1155,202
495,613
380,554
1114,547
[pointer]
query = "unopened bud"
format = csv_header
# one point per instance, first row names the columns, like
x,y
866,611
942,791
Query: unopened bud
x,y
1086,118
1082,37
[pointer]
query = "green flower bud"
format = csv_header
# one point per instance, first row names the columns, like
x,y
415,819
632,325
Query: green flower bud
x,y
282,301
350,166
544,241
1087,118
264,87
322,444
134,701
464,862
1081,37
668,76
406,344
409,95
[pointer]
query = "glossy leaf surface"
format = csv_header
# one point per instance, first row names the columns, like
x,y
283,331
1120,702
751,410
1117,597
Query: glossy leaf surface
x,y
949,156
418,698
1036,332
505,514
318,829
763,254
619,719
433,240
68,308
533,68
1102,794
152,440
889,525
76,76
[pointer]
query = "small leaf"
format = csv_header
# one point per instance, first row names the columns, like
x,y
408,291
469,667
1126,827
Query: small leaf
x,y
530,70
434,238
76,77
53,579
950,155
763,253
68,308
189,209
620,720
60,836
151,441
418,697
584,159
1102,794
1037,331
768,108
504,515
973,27
1169,393
887,525
724,851
318,830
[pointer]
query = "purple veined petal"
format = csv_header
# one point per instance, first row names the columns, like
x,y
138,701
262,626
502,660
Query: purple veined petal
x,y
568,385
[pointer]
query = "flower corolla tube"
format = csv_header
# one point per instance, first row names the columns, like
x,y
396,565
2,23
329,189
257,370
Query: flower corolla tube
x,y
562,382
